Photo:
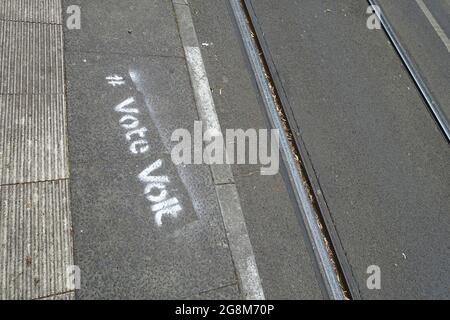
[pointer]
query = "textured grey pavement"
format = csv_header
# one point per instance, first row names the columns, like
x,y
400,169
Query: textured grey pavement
x,y
120,250
35,221
380,160
138,27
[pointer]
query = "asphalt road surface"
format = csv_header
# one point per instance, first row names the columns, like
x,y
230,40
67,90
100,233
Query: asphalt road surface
x,y
423,29
382,164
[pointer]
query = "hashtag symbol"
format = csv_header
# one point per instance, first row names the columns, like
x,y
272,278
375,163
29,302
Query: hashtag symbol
x,y
115,80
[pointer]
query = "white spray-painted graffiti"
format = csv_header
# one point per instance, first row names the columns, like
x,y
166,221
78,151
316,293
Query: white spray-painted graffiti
x,y
161,205
130,122
136,135
115,80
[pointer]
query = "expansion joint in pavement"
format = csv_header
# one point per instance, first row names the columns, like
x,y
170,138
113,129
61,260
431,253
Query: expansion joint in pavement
x,y
32,22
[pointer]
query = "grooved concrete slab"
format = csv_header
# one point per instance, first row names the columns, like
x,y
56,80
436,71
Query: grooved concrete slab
x,y
35,240
31,58
32,138
161,89
119,246
138,27
42,11
35,222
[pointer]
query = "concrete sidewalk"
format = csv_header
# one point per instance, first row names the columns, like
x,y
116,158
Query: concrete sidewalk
x,y
121,249
124,244
102,102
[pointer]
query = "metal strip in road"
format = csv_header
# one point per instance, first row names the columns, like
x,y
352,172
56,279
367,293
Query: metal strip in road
x,y
227,194
433,105
321,246
441,33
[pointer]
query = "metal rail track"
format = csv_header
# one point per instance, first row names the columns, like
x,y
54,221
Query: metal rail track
x,y
431,102
323,249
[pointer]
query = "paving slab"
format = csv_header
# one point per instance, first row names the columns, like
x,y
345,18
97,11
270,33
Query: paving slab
x,y
40,11
160,102
121,249
35,241
35,220
32,138
138,27
31,58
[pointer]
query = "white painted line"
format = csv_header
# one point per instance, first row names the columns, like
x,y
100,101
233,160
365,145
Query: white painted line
x,y
434,107
237,234
441,33
202,90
